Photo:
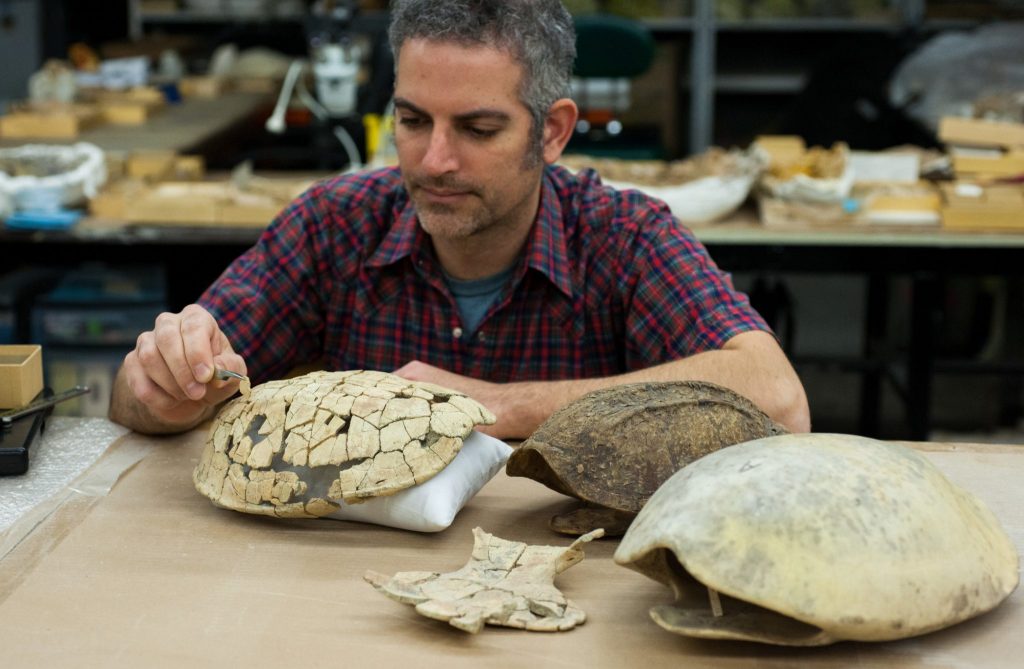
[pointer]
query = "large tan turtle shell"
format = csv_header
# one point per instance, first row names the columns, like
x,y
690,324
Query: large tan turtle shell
x,y
614,447
301,447
814,538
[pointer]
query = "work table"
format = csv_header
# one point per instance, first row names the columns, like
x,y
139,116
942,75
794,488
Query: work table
x,y
138,569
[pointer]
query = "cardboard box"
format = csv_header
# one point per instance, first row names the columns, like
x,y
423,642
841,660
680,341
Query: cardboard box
x,y
975,207
978,132
21,374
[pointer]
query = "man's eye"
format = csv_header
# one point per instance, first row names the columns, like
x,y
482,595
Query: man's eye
x,y
410,121
481,132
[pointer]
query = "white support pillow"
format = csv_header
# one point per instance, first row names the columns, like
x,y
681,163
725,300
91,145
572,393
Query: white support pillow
x,y
432,506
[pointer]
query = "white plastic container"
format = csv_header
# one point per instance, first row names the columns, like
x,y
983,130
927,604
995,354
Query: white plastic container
x,y
85,173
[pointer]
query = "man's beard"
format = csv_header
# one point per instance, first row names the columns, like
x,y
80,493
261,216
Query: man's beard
x,y
448,220
445,221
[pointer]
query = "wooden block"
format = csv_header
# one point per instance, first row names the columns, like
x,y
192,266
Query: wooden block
x,y
782,149
1010,164
203,86
189,168
131,107
911,202
150,165
108,204
64,123
978,132
120,113
173,204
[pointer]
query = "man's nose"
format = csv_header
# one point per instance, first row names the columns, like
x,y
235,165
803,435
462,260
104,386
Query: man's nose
x,y
440,157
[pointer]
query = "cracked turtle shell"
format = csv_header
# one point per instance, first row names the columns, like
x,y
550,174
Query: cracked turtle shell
x,y
808,539
303,446
613,448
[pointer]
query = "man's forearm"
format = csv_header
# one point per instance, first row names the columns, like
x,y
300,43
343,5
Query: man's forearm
x,y
751,364
525,405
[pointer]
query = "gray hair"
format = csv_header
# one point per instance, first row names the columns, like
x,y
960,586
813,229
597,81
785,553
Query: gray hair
x,y
539,34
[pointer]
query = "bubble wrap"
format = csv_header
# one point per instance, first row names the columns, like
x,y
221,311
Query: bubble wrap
x,y
67,448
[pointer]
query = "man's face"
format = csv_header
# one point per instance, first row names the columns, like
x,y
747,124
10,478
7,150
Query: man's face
x,y
463,139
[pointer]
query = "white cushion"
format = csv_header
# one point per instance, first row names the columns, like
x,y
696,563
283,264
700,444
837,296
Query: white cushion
x,y
432,506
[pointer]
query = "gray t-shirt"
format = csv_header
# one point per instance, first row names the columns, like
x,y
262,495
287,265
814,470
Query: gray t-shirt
x,y
474,297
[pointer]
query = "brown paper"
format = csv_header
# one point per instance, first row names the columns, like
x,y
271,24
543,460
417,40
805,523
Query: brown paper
x,y
154,575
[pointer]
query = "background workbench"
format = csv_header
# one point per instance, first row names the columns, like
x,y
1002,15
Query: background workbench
x,y
194,125
152,574
925,257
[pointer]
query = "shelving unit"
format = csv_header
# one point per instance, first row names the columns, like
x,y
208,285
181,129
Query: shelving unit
x,y
703,78
140,17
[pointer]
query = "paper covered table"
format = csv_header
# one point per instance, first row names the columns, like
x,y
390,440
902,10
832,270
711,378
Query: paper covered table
x,y
152,574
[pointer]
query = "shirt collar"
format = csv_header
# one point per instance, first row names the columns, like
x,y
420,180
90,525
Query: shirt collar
x,y
545,249
402,238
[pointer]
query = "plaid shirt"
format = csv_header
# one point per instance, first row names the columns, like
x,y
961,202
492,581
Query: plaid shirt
x,y
608,282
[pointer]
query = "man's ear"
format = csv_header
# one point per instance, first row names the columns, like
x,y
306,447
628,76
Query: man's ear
x,y
558,128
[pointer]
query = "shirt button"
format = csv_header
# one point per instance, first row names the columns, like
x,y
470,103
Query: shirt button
x,y
481,337
457,333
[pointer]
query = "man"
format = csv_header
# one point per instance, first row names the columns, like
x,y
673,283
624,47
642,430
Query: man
x,y
477,264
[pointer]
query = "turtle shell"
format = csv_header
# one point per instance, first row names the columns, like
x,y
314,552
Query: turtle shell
x,y
303,446
614,447
807,539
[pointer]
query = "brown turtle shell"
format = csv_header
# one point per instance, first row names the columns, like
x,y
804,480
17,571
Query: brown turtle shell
x,y
614,447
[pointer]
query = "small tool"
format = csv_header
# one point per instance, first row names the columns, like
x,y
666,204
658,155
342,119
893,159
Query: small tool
x,y
8,417
227,375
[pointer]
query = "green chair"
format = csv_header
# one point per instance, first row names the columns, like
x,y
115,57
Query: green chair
x,y
610,51
611,47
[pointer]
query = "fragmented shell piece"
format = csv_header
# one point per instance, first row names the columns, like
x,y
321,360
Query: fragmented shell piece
x,y
808,539
303,446
506,583
612,448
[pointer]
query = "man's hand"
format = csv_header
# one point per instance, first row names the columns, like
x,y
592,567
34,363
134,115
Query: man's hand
x,y
494,396
166,383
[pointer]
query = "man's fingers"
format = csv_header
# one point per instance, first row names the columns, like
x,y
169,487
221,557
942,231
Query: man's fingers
x,y
201,339
171,346
145,388
150,361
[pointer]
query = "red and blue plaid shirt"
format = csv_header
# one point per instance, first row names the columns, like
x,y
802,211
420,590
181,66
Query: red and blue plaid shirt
x,y
608,282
